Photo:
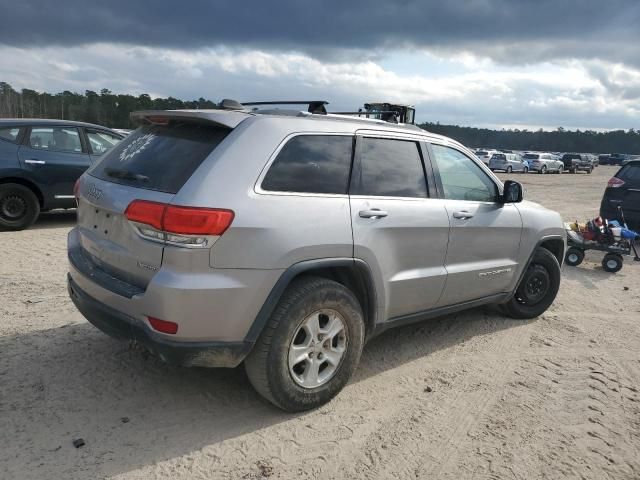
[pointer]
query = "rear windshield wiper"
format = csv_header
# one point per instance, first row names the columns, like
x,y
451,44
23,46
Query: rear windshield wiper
x,y
125,175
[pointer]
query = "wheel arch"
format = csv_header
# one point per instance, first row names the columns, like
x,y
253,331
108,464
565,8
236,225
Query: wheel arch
x,y
354,274
25,183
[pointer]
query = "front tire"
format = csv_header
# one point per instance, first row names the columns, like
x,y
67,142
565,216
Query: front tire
x,y
537,289
310,346
543,170
19,207
526,169
509,169
574,256
612,262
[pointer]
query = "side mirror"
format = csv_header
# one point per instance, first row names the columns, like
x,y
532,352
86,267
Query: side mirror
x,y
512,192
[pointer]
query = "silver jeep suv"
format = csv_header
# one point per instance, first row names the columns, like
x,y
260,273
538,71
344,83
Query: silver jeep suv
x,y
286,240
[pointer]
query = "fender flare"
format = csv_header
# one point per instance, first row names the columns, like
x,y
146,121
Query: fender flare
x,y
299,268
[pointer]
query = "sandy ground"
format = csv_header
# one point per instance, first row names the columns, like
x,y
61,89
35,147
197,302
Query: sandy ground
x,y
473,395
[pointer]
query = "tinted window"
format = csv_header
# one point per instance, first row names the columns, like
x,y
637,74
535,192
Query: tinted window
x,y
159,157
461,177
311,164
57,139
531,156
9,133
391,168
100,141
499,156
630,173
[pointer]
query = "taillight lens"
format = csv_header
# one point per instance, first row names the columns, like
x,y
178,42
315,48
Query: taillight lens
x,y
163,326
615,182
149,213
180,220
76,188
196,221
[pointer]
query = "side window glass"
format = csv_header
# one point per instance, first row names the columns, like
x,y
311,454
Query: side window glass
x,y
101,142
55,139
10,134
461,177
390,168
311,164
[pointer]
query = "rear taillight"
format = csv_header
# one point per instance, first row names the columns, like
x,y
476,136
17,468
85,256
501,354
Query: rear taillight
x,y
163,326
186,226
76,188
615,182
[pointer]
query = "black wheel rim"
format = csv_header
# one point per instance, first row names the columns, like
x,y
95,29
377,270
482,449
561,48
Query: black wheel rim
x,y
12,208
535,285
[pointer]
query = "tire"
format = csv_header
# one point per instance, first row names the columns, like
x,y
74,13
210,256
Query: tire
x,y
560,170
574,256
590,170
509,169
572,171
268,366
526,169
19,207
542,273
612,262
543,170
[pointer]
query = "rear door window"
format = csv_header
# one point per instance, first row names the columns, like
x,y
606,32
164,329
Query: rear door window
x,y
311,164
159,157
389,168
10,134
100,141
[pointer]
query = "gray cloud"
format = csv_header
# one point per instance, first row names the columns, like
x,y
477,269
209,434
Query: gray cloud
x,y
506,30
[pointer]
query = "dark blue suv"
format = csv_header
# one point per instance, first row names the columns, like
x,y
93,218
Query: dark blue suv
x,y
40,161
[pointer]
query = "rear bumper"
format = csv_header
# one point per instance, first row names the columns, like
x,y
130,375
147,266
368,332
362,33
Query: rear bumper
x,y
118,325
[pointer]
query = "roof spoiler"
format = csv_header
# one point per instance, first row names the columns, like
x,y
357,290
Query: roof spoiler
x,y
228,118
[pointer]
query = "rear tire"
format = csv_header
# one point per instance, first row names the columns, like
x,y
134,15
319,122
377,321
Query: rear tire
x,y
289,335
543,170
509,169
19,207
537,289
612,262
526,169
574,257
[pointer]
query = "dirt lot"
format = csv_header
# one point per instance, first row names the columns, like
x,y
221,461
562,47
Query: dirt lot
x,y
557,397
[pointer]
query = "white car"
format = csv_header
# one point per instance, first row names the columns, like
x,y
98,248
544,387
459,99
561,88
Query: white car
x,y
485,155
544,162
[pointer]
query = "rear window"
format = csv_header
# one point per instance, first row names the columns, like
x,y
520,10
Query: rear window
x,y
630,173
498,156
159,157
311,164
568,156
531,156
482,153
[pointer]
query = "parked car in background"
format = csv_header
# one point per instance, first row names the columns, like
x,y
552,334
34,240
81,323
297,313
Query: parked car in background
x,y
577,162
631,158
617,158
544,162
603,159
485,155
40,161
594,159
508,162
623,190
235,236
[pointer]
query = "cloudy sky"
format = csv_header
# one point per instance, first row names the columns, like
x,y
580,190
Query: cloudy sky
x,y
496,63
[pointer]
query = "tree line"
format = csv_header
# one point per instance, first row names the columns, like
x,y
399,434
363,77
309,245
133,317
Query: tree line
x,y
112,110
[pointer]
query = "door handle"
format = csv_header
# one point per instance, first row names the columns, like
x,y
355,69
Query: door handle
x,y
373,213
462,215
33,160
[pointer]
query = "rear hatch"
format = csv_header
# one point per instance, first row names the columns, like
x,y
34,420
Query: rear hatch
x,y
151,164
624,190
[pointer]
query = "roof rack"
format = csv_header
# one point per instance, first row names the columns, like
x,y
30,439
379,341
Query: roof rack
x,y
313,106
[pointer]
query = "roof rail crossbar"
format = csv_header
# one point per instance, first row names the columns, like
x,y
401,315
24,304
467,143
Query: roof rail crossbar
x,y
314,106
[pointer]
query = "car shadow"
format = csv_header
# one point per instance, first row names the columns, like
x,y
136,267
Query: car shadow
x,y
75,382
55,219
